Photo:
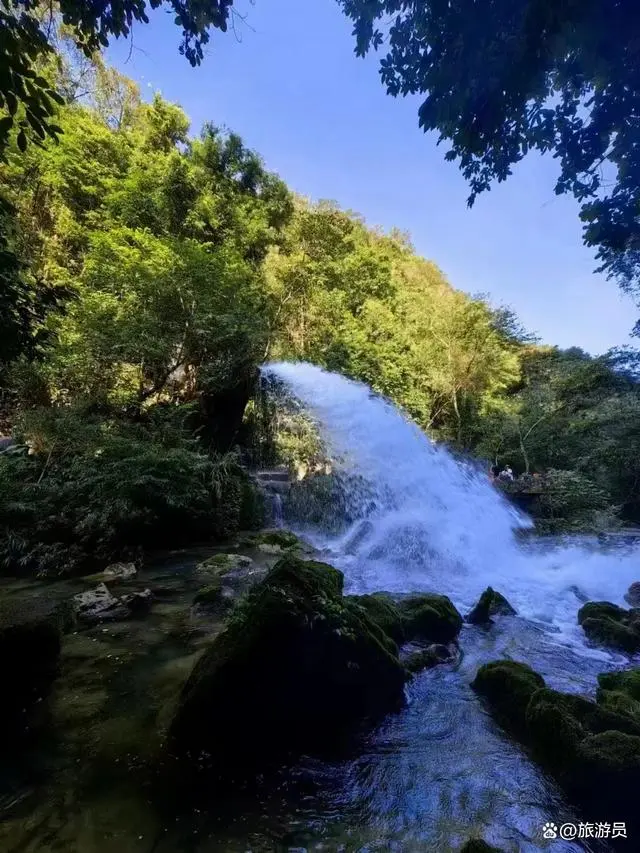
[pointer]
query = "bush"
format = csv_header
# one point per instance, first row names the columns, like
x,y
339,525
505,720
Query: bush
x,y
571,502
91,491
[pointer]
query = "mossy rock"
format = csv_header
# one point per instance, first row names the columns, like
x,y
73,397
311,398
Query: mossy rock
x,y
383,610
592,749
607,772
221,563
556,724
619,693
552,729
618,702
298,669
627,681
210,595
490,603
596,718
283,538
608,632
478,845
508,686
600,610
430,617
275,538
612,753
426,658
607,624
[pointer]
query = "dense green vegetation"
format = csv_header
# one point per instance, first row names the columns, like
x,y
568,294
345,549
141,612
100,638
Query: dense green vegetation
x,y
148,273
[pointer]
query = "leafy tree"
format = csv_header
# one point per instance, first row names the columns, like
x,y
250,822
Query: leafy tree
x,y
502,79
575,414
362,303
323,274
27,29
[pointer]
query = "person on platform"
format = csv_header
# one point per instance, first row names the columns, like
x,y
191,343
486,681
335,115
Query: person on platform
x,y
506,475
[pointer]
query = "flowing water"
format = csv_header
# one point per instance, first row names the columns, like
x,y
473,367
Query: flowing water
x,y
423,521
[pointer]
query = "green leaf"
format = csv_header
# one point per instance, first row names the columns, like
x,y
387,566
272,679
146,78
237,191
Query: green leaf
x,y
55,96
36,124
12,102
22,141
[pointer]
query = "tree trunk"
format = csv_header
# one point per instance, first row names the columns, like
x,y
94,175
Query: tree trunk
x,y
222,411
523,450
458,418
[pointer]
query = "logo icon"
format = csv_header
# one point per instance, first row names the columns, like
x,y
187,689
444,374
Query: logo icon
x,y
549,830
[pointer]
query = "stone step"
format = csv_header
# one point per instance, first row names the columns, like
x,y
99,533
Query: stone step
x,y
279,486
275,475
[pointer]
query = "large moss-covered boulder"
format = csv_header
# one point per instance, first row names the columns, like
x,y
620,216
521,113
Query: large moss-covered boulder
x,y
624,681
606,776
430,617
29,650
592,748
490,603
508,686
619,692
552,729
383,610
427,617
607,624
298,669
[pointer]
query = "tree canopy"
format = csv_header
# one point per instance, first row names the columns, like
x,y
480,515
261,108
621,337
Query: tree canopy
x,y
500,79
27,34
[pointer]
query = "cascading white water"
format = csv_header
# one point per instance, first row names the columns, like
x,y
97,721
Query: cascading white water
x,y
435,523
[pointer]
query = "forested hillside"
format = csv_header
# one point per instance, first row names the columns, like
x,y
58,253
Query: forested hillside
x,y
150,267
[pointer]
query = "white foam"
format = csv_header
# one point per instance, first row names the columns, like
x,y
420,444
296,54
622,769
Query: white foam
x,y
438,523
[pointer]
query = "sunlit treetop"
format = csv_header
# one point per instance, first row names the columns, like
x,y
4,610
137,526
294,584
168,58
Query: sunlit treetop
x,y
503,77
27,98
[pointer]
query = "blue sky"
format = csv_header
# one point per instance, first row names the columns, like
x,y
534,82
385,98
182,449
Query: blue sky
x,y
289,83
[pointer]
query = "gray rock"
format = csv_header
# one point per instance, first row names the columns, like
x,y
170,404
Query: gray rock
x,y
119,572
138,602
268,548
94,602
632,595
490,603
222,563
436,653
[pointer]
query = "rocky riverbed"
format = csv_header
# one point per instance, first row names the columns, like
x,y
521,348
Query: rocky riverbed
x,y
80,776
236,699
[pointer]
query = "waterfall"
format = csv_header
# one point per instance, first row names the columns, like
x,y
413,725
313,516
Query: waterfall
x,y
276,510
427,521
